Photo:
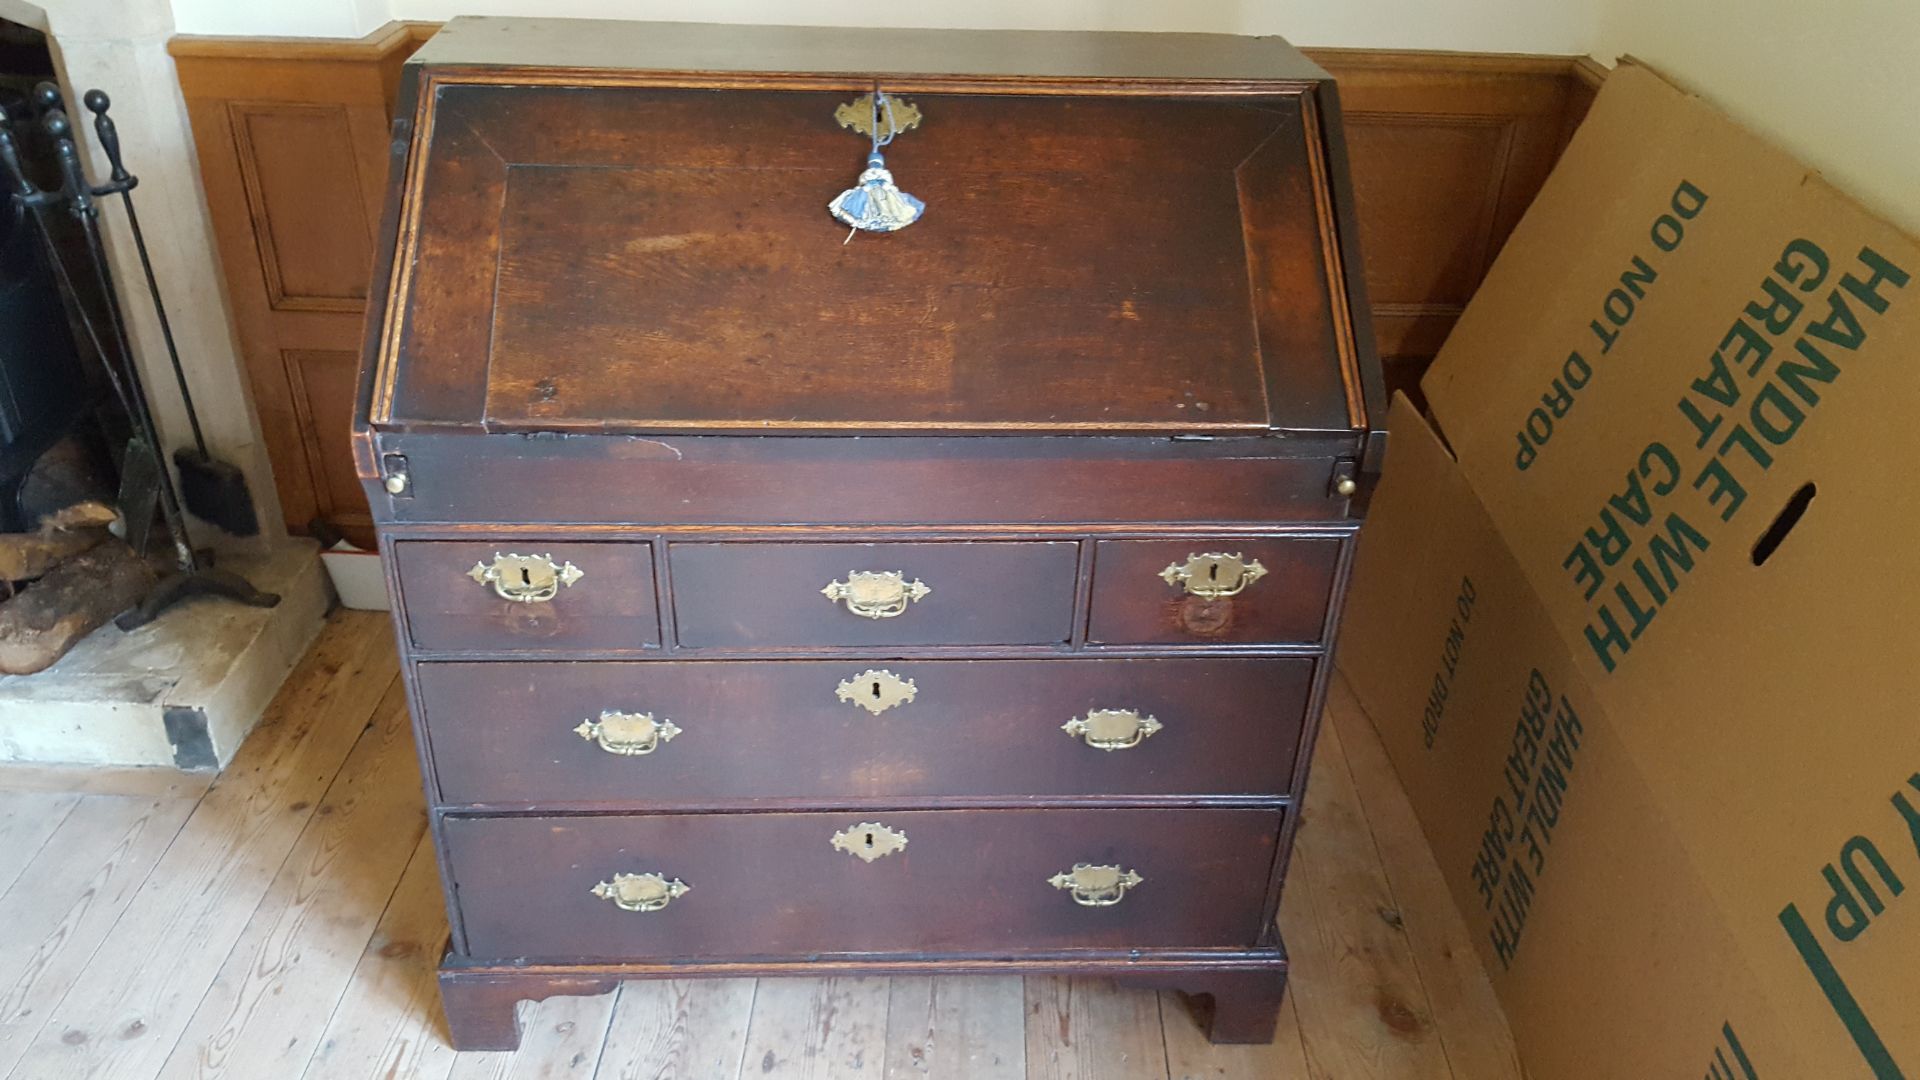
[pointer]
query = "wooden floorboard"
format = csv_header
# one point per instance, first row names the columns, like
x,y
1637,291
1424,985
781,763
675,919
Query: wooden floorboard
x,y
286,921
1466,1017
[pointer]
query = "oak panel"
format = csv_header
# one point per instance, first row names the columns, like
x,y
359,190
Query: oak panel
x,y
303,193
322,384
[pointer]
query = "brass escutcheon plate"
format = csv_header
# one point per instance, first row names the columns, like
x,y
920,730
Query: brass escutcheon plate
x,y
631,734
869,840
1112,729
858,115
876,594
1214,574
1096,886
525,579
641,892
876,691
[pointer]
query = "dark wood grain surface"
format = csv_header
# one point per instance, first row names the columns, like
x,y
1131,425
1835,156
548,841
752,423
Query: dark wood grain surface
x,y
996,593
906,480
1030,55
503,733
1132,604
1086,266
1078,264
612,605
772,884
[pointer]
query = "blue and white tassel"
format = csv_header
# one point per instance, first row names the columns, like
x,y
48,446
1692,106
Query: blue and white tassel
x,y
874,204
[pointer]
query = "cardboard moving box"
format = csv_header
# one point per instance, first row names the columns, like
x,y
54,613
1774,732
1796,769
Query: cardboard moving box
x,y
1638,615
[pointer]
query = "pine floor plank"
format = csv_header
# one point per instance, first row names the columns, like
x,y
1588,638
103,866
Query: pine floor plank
x,y
1472,1028
1191,1057
563,1040
272,998
387,1024
955,1028
818,1029
27,819
1363,1009
678,1029
1091,1029
150,782
69,897
128,1008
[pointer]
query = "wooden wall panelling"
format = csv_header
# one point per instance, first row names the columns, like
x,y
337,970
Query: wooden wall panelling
x,y
1447,150
291,137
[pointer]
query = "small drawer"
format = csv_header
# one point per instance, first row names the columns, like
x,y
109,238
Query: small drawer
x,y
752,595
527,595
1263,590
625,734
553,888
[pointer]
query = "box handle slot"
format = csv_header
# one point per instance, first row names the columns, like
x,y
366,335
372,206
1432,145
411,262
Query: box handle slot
x,y
1783,523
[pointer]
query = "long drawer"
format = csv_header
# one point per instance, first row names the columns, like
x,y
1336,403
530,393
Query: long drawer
x,y
742,885
670,731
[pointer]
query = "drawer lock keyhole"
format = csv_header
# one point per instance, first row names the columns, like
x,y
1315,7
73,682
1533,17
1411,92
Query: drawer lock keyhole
x,y
1215,575
525,579
875,691
869,840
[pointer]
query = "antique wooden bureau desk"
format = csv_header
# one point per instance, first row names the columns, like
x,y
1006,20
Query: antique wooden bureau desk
x,y
778,598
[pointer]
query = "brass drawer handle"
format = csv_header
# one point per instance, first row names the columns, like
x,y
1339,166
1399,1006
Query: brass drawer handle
x,y
525,579
1214,575
869,840
631,734
1112,729
876,594
876,691
641,892
1096,886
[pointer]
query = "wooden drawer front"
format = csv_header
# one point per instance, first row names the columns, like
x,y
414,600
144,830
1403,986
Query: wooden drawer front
x,y
744,595
1134,605
511,732
774,884
609,606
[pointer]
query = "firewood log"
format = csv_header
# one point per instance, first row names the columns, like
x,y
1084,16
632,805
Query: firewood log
x,y
61,535
47,617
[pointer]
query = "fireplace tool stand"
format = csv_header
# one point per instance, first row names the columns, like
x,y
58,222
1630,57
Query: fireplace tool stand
x,y
145,476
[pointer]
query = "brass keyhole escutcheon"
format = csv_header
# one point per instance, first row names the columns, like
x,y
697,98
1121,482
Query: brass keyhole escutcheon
x,y
858,115
525,579
869,840
876,691
1214,575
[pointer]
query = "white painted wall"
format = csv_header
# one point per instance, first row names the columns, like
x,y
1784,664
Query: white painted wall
x,y
1837,82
